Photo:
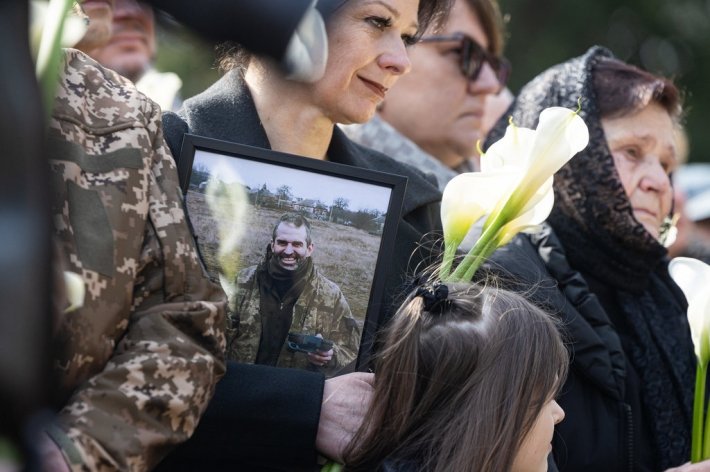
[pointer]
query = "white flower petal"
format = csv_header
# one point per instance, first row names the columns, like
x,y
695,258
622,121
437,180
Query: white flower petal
x,y
531,219
560,134
470,196
693,277
511,150
75,291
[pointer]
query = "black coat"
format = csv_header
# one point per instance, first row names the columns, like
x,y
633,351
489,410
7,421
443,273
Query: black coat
x,y
284,439
600,431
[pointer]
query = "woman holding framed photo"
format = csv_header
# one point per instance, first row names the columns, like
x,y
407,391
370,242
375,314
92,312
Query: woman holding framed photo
x,y
255,104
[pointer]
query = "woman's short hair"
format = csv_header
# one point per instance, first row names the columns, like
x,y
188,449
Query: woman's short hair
x,y
623,89
488,13
231,55
459,387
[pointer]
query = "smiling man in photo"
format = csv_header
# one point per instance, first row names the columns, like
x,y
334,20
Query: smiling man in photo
x,y
285,294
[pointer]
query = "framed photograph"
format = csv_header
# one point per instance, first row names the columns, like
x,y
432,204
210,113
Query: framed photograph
x,y
300,247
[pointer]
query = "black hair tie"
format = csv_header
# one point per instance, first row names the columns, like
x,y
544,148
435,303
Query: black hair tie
x,y
435,297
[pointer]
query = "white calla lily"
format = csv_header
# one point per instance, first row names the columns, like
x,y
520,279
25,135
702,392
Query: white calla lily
x,y
74,27
511,151
227,201
469,197
75,291
560,134
693,278
528,159
531,218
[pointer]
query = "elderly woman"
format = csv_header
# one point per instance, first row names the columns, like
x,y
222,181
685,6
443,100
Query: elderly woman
x,y
602,267
255,104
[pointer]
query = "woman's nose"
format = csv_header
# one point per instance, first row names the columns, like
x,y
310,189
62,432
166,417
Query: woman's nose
x,y
557,413
396,58
485,83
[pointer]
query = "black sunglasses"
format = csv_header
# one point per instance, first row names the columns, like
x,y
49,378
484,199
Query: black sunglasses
x,y
473,56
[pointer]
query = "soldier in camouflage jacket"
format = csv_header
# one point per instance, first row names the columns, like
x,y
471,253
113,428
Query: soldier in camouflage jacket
x,y
138,362
270,301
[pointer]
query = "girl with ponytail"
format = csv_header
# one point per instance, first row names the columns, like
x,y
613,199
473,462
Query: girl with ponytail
x,y
465,381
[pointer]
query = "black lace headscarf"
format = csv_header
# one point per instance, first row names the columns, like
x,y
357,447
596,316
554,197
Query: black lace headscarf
x,y
593,219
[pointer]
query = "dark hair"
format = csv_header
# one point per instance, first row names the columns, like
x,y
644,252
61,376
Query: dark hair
x,y
231,55
623,89
296,220
460,387
488,13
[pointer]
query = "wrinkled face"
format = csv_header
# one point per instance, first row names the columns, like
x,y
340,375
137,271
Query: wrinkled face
x,y
435,105
131,47
100,13
643,146
367,53
290,247
536,446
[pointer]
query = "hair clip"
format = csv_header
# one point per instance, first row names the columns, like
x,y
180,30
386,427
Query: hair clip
x,y
435,297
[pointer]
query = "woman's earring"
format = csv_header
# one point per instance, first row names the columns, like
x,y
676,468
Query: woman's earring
x,y
669,230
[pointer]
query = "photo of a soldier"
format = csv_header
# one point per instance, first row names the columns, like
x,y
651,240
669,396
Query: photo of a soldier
x,y
286,299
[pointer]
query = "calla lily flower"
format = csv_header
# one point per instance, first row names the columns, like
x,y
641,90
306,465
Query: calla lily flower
x,y
532,218
693,277
49,51
227,202
75,290
467,198
511,151
74,26
516,172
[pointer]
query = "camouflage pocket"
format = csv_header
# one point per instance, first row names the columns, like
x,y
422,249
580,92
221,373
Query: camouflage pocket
x,y
91,228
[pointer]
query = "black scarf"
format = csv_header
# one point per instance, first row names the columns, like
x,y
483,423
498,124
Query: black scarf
x,y
279,290
594,221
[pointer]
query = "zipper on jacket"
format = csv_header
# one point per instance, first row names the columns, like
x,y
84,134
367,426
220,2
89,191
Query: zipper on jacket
x,y
629,436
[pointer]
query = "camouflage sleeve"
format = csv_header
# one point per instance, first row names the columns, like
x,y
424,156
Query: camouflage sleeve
x,y
162,372
346,335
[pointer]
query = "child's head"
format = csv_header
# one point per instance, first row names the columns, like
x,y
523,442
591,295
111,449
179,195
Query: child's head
x,y
461,380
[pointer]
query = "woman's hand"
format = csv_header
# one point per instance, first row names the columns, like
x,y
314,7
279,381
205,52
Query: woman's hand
x,y
345,400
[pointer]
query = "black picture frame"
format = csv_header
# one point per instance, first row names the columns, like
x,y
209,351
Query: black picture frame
x,y
197,150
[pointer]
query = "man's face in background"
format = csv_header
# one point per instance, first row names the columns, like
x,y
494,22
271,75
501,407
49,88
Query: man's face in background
x,y
100,13
131,46
290,246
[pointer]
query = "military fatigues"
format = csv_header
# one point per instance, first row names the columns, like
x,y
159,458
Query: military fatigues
x,y
321,308
139,361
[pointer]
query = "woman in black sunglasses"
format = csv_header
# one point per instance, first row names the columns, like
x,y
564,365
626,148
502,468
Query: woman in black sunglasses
x,y
435,115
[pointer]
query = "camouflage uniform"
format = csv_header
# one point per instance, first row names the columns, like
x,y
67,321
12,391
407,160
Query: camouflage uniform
x,y
321,308
139,361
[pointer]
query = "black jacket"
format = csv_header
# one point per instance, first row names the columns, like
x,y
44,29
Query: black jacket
x,y
600,431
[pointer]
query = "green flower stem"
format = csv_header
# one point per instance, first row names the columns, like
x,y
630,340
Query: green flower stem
x,y
476,255
50,53
704,432
699,445
449,254
481,258
487,236
332,467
